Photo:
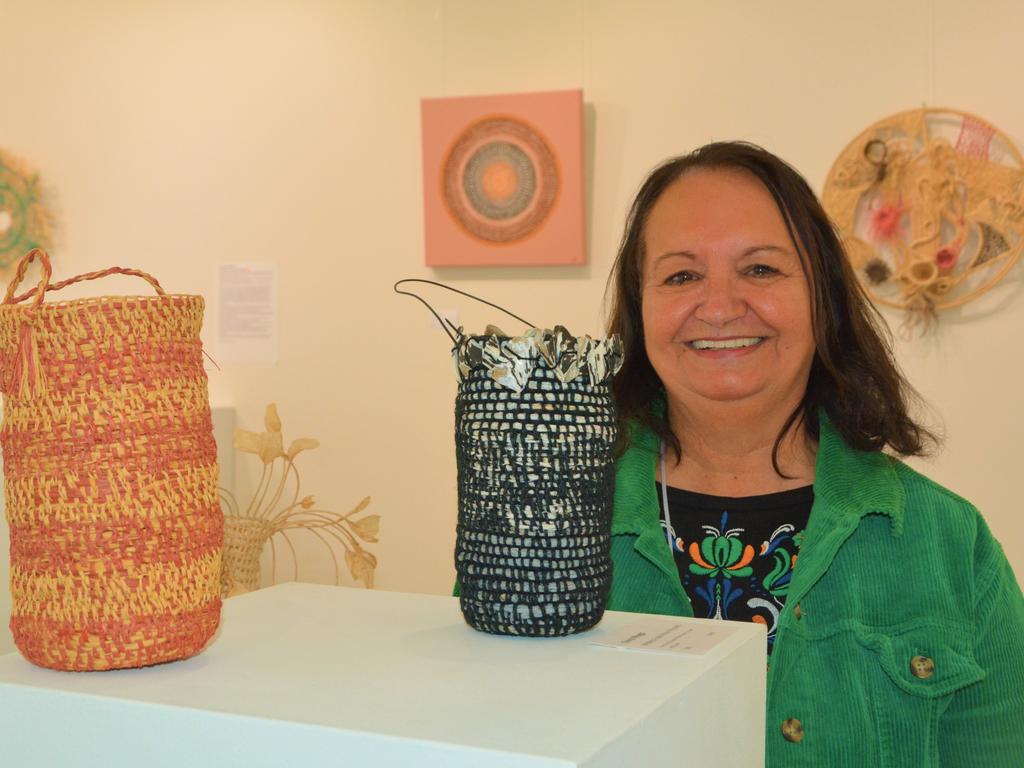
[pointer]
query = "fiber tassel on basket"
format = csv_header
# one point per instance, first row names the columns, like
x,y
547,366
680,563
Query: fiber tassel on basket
x,y
110,475
535,431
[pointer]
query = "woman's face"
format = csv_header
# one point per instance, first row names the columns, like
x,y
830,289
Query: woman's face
x,y
726,303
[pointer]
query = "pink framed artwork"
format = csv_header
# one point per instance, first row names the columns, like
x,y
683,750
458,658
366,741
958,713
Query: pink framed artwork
x,y
503,180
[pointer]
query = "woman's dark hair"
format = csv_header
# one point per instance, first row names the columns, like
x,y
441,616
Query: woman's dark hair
x,y
853,377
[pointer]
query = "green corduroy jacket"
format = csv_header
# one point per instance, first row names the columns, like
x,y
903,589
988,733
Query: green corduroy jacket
x,y
893,567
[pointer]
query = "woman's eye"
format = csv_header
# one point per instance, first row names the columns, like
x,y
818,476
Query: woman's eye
x,y
679,278
762,270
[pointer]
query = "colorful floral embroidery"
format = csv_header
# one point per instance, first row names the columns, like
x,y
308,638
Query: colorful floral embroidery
x,y
721,554
729,575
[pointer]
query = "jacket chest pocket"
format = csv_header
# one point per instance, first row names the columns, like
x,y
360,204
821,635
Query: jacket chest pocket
x,y
920,666
865,696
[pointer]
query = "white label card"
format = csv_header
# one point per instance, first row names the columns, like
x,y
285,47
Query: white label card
x,y
692,638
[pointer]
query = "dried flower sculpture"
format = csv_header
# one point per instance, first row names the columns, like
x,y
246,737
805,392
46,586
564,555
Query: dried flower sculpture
x,y
272,512
931,208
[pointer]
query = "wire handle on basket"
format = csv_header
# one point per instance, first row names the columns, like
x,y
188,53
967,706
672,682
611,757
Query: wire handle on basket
x,y
445,323
44,284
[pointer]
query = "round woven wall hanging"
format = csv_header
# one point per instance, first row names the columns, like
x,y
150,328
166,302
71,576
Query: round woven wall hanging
x,y
25,223
930,204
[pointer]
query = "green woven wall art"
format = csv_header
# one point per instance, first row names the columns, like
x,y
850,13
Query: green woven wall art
x,y
25,221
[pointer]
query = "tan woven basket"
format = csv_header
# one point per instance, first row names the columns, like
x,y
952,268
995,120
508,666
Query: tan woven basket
x,y
110,476
244,539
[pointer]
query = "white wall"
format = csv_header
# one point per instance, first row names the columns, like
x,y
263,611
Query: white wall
x,y
176,135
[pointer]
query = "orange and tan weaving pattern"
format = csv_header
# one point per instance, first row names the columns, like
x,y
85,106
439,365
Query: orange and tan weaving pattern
x,y
110,476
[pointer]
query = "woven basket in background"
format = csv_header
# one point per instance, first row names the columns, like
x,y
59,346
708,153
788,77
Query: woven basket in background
x,y
244,539
110,476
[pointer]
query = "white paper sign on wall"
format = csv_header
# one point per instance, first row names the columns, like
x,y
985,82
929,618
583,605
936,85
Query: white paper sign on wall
x,y
247,317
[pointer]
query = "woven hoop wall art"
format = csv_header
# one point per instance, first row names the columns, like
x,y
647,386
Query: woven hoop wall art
x,y
110,476
535,431
25,221
930,204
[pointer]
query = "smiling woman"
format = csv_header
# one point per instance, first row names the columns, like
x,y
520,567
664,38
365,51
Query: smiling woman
x,y
757,396
740,197
725,308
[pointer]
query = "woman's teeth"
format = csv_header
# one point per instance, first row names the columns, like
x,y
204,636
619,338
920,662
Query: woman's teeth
x,y
726,343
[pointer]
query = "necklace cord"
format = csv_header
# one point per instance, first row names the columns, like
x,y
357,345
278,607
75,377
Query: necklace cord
x,y
664,497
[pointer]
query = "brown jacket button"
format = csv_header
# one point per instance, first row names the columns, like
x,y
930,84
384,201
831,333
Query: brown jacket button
x,y
798,612
792,730
922,667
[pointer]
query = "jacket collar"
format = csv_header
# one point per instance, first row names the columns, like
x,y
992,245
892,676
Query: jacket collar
x,y
848,484
853,484
635,473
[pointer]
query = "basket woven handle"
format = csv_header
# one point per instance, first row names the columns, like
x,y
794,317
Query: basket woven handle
x,y
44,284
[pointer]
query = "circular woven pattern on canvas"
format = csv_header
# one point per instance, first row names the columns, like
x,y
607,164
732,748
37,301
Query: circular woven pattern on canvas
x,y
930,204
25,223
500,180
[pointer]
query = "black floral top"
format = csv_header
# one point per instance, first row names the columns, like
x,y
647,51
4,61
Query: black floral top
x,y
736,555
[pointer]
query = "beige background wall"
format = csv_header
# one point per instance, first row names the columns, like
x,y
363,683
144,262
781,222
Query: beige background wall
x,y
176,135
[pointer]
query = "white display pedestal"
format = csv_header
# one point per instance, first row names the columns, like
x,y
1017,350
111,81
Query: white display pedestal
x,y
307,675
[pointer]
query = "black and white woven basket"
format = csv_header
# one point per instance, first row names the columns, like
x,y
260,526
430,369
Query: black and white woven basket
x,y
535,431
